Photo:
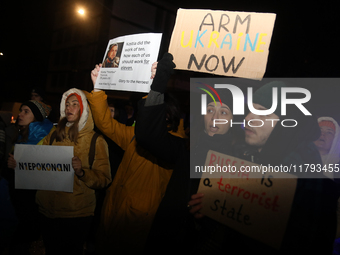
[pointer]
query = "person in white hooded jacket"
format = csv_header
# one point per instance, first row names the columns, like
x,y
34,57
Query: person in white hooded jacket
x,y
328,143
67,217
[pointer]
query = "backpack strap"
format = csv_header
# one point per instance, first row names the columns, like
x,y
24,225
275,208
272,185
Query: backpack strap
x,y
53,137
92,151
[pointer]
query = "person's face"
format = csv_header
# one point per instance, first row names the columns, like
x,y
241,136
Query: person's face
x,y
258,136
72,109
217,112
25,116
113,51
325,141
112,110
36,96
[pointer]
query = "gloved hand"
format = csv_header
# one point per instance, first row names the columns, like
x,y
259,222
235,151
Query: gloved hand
x,y
165,68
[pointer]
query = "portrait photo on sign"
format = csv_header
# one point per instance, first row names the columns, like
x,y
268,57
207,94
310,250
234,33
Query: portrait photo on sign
x,y
112,57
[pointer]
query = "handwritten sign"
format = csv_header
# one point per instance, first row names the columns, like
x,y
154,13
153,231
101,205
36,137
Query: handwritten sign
x,y
127,62
44,167
256,207
222,42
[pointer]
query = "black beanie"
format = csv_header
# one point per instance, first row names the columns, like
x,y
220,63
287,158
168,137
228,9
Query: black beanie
x,y
39,109
264,95
225,96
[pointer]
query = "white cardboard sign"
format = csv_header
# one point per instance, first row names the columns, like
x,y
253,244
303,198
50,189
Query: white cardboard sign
x,y
44,167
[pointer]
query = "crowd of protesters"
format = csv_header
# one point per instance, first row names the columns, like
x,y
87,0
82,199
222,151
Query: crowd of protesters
x,y
135,194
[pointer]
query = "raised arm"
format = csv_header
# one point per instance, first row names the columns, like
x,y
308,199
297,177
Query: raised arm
x,y
94,76
151,126
118,132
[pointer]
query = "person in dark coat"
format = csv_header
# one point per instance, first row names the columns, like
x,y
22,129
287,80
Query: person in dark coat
x,y
167,234
31,126
207,135
312,222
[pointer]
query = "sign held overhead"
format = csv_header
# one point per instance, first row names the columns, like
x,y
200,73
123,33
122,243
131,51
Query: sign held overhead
x,y
222,42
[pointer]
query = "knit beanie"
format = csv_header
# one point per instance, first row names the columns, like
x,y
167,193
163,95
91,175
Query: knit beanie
x,y
327,123
39,109
223,94
264,95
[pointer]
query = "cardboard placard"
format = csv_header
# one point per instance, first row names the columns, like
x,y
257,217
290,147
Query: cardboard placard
x,y
44,167
128,67
222,42
256,207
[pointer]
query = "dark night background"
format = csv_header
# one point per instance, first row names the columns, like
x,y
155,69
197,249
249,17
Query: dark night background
x,y
46,44
304,42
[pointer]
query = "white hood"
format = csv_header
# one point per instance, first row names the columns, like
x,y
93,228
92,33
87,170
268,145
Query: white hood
x,y
333,157
85,113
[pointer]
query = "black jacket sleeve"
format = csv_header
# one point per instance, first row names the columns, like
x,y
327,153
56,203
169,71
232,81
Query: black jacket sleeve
x,y
152,133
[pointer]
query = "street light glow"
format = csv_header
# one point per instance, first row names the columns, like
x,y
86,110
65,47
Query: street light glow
x,y
81,11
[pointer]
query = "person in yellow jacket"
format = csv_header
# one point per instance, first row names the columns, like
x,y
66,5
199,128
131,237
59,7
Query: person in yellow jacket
x,y
67,217
140,183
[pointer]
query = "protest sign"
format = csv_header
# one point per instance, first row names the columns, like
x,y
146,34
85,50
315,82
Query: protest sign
x,y
127,63
256,207
222,42
44,167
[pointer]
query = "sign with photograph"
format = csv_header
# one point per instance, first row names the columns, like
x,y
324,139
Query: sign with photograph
x,y
127,63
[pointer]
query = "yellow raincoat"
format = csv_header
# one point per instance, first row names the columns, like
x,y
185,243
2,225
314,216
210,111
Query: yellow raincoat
x,y
132,200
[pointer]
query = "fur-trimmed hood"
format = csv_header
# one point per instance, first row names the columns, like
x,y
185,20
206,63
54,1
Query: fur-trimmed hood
x,y
82,201
86,115
333,157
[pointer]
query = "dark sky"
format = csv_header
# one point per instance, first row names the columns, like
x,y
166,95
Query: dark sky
x,y
304,42
25,43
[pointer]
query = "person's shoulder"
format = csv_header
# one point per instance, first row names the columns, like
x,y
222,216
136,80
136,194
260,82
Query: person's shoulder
x,y
305,153
99,137
309,152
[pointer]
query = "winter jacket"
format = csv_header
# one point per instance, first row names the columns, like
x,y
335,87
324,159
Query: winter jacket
x,y
333,157
38,130
82,201
311,225
140,183
170,221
